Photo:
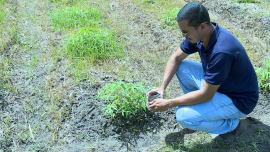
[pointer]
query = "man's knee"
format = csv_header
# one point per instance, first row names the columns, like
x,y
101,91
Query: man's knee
x,y
185,118
182,69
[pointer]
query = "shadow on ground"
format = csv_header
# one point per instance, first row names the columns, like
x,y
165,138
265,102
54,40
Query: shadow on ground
x,y
256,138
130,130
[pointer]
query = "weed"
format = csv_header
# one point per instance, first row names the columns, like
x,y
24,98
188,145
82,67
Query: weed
x,y
124,98
7,120
33,62
263,74
70,17
93,44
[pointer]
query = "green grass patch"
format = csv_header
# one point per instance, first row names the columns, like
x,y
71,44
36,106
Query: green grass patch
x,y
263,74
65,1
170,17
164,10
2,13
72,17
247,1
93,44
2,2
124,98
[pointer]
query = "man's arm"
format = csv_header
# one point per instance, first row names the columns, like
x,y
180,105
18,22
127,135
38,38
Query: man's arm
x,y
206,93
171,67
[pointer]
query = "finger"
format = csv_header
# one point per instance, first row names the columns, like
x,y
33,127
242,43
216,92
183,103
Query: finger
x,y
152,105
152,92
152,102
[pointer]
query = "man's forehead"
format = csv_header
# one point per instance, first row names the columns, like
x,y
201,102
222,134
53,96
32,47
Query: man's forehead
x,y
183,24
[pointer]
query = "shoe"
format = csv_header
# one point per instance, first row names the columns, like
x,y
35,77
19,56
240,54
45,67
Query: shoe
x,y
229,137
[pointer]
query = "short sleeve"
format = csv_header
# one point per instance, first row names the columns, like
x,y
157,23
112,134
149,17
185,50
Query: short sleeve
x,y
218,69
188,47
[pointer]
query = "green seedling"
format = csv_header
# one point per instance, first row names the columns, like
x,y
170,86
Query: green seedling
x,y
124,98
33,62
7,120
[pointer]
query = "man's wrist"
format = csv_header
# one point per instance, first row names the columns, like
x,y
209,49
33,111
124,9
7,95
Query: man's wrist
x,y
170,103
162,87
173,102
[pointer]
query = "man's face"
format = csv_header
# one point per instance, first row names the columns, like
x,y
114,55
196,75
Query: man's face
x,y
189,32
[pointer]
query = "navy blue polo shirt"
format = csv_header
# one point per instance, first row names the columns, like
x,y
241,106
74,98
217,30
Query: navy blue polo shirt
x,y
226,63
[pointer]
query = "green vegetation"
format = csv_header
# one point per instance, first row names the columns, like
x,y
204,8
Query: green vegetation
x,y
161,7
2,12
72,17
170,17
124,98
89,40
64,1
2,24
93,43
263,74
149,1
247,1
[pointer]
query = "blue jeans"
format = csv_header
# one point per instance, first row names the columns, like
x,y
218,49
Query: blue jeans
x,y
218,115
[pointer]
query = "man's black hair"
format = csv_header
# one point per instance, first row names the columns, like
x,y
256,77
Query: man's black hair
x,y
195,13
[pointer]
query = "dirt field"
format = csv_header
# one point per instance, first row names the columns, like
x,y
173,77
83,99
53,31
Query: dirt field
x,y
43,108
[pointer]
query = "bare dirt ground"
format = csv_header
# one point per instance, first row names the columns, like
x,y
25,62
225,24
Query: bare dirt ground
x,y
47,111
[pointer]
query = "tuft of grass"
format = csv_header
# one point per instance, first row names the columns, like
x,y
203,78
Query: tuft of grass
x,y
93,44
247,1
124,98
72,17
263,74
170,17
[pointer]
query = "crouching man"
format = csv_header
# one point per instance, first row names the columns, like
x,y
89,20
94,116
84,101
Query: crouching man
x,y
219,90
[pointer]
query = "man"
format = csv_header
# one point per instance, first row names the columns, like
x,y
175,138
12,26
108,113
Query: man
x,y
219,90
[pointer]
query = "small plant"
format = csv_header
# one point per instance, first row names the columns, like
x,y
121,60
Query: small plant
x,y
170,17
33,62
124,98
7,120
70,17
93,43
263,74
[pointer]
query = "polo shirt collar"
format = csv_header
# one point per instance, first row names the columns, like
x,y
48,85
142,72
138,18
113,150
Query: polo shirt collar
x,y
214,37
